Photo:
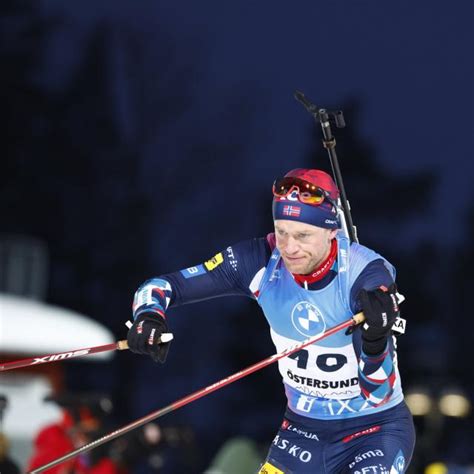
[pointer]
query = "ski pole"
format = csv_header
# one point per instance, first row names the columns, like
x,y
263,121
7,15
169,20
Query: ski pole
x,y
45,359
356,319
119,345
323,117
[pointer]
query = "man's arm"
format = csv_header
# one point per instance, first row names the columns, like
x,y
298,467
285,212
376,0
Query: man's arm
x,y
229,272
377,375
374,292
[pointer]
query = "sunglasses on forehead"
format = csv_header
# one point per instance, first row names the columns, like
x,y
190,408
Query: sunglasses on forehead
x,y
308,193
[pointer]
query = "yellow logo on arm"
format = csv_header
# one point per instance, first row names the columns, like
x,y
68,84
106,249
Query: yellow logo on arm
x,y
268,468
214,261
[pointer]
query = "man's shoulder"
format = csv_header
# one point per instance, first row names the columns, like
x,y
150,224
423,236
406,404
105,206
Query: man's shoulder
x,y
361,252
257,248
250,259
365,263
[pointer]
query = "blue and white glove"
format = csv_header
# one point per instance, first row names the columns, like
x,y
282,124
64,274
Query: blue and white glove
x,y
149,333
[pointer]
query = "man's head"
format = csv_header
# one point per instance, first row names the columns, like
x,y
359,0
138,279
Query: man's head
x,y
306,220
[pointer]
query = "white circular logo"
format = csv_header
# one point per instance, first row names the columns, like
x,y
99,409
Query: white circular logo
x,y
400,464
307,319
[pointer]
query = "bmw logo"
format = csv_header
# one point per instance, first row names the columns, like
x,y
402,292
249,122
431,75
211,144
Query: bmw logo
x,y
400,464
307,319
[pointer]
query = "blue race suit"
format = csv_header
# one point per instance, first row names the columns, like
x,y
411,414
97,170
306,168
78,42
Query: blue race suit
x,y
350,403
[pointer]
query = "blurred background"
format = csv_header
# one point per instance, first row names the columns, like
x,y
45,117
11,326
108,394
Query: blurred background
x,y
139,138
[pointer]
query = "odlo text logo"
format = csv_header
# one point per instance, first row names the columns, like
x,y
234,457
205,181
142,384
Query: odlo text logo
x,y
292,449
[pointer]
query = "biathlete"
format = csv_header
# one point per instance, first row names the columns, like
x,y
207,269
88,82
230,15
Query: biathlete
x,y
345,411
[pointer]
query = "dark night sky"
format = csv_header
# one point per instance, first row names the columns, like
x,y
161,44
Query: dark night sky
x,y
408,64
197,101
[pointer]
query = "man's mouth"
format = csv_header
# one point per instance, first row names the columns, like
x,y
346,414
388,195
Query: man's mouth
x,y
293,259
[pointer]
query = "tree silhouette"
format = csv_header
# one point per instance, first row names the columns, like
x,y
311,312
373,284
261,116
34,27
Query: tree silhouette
x,y
381,201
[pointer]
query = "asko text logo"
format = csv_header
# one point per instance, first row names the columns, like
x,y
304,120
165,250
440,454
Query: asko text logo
x,y
292,449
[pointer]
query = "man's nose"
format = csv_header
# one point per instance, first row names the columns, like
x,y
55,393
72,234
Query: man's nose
x,y
291,246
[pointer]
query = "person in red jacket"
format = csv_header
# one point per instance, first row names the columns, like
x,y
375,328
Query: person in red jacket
x,y
58,439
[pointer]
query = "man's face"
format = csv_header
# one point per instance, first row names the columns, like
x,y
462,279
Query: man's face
x,y
303,247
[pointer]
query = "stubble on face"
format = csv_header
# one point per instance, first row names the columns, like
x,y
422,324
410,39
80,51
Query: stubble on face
x,y
303,247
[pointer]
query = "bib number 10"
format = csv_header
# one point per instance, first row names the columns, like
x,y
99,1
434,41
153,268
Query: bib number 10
x,y
325,362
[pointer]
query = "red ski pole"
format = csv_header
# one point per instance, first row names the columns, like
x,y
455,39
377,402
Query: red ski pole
x,y
119,346
356,319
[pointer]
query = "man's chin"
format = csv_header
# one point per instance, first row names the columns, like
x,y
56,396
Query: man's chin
x,y
295,267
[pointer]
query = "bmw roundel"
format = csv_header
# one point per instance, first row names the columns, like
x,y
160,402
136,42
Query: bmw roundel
x,y
399,464
307,319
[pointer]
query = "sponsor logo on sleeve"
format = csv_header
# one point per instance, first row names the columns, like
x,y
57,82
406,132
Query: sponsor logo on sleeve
x,y
214,261
232,260
193,271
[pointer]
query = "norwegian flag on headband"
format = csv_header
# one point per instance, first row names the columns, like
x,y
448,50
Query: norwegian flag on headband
x,y
293,211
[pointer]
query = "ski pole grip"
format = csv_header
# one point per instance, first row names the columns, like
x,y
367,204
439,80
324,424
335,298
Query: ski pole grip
x,y
122,345
358,318
165,337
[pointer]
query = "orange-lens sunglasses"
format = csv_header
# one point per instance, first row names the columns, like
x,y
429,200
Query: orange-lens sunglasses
x,y
308,193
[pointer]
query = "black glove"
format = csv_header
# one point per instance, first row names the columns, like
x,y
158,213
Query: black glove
x,y
380,308
144,335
